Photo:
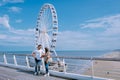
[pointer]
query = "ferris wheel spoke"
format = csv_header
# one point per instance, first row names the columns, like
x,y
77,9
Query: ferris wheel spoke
x,y
48,40
50,30
47,27
48,18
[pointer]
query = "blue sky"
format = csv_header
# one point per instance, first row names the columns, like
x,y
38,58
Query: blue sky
x,y
83,24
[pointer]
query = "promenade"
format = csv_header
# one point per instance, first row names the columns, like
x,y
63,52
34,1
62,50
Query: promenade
x,y
7,73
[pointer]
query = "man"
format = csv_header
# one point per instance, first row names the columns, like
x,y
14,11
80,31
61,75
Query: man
x,y
37,56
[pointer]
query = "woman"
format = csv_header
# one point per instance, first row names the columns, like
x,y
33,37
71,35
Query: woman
x,y
46,57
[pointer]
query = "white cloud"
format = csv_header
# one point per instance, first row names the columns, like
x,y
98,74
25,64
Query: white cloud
x,y
74,40
109,31
3,36
15,9
71,40
100,33
109,21
18,21
13,1
114,26
4,21
93,25
22,32
18,38
15,37
67,40
110,24
3,2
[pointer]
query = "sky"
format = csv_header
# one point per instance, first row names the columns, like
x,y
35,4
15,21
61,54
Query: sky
x,y
83,24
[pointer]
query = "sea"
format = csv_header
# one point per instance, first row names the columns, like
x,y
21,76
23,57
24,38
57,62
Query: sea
x,y
83,53
73,65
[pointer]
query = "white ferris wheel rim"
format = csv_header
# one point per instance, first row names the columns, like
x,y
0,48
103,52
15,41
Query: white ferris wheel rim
x,y
41,33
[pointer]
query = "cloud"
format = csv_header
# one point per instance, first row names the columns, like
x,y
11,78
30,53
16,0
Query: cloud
x,y
22,32
15,9
76,40
67,40
2,36
105,35
4,2
13,1
18,21
15,37
18,38
101,33
93,25
4,21
109,21
110,24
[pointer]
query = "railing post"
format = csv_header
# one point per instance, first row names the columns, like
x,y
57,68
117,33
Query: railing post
x,y
43,64
15,61
92,62
27,62
5,59
64,65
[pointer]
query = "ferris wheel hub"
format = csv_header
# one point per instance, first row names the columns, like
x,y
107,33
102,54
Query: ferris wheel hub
x,y
47,27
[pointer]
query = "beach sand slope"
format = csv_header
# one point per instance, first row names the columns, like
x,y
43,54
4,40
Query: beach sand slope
x,y
106,69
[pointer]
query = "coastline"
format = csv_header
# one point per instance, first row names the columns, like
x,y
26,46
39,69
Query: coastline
x,y
106,69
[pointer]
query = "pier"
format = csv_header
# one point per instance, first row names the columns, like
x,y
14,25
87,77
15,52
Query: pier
x,y
15,66
7,73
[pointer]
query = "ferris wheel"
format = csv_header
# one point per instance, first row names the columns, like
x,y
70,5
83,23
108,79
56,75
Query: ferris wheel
x,y
47,27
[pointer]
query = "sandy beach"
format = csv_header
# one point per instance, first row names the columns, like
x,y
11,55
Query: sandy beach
x,y
106,69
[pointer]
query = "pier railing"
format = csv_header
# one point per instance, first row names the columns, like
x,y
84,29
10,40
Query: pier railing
x,y
97,66
16,59
77,65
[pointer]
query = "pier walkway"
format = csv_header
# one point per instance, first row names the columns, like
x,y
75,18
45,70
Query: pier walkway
x,y
18,67
7,73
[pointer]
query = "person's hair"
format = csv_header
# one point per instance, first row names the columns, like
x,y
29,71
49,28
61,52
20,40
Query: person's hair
x,y
39,45
46,49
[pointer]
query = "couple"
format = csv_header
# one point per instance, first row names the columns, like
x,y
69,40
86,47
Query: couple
x,y
38,55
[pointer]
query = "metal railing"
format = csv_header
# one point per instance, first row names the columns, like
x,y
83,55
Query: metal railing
x,y
17,61
16,58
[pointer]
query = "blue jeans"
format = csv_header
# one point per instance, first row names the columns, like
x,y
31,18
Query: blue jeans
x,y
37,65
46,67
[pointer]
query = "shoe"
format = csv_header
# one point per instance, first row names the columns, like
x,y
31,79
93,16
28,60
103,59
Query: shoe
x,y
45,75
39,72
48,74
35,73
